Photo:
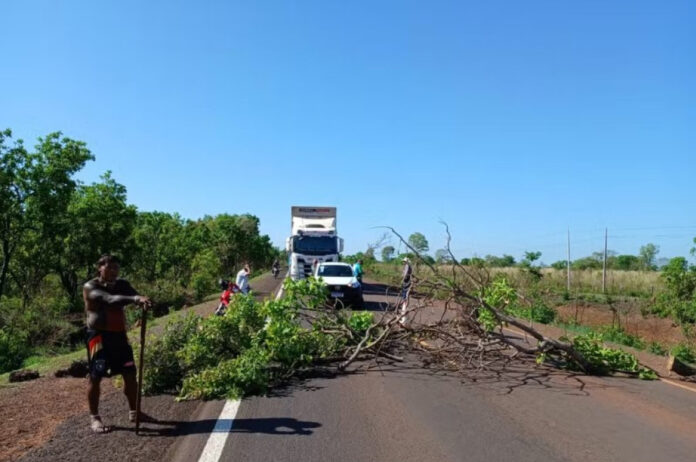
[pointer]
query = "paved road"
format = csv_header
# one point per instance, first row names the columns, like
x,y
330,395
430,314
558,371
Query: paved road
x,y
400,412
403,413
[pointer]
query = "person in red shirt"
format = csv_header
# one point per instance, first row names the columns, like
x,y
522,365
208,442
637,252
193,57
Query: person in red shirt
x,y
108,350
232,289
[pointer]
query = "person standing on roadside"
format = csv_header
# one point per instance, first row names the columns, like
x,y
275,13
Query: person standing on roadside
x,y
358,271
243,279
406,278
108,350
406,274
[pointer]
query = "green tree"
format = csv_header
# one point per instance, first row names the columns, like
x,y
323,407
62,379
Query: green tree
x,y
369,254
528,264
388,253
443,256
428,259
418,242
625,262
477,261
206,270
35,190
159,246
98,221
500,262
680,278
647,253
586,263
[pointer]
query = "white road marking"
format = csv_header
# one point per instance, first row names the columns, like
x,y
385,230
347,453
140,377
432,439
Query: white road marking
x,y
218,437
679,385
225,422
279,294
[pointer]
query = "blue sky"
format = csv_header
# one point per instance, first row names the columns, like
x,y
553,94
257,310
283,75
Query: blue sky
x,y
511,121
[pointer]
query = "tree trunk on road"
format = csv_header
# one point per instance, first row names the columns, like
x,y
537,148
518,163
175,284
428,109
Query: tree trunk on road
x,y
679,367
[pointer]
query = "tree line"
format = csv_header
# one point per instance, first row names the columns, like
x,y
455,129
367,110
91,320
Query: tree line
x,y
646,260
53,228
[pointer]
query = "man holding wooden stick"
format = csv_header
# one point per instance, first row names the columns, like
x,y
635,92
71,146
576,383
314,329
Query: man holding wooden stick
x,y
108,350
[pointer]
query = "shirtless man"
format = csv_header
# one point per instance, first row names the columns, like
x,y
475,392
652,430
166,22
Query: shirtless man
x,y
106,297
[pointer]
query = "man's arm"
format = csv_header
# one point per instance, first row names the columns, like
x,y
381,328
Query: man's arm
x,y
95,294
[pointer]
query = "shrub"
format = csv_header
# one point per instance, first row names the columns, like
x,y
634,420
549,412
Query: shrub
x,y
251,347
618,335
684,353
605,360
502,295
680,278
164,369
14,348
246,374
657,349
538,312
360,322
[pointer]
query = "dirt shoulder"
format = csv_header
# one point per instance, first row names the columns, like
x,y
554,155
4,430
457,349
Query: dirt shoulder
x,y
628,316
47,419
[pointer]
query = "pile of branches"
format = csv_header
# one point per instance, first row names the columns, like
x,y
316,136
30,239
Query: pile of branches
x,y
458,318
457,321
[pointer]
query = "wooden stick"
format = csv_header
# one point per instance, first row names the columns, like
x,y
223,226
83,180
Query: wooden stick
x,y
143,323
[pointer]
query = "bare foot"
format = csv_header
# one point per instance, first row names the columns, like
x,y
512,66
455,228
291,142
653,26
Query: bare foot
x,y
98,426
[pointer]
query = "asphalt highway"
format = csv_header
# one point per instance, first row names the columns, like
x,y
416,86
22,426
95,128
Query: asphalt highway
x,y
401,412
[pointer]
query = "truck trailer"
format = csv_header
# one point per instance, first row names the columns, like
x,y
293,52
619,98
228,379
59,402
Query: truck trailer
x,y
313,238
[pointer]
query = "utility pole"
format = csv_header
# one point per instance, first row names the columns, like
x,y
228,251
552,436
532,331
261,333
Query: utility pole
x,y
568,263
604,266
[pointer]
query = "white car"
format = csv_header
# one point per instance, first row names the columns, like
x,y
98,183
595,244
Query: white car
x,y
341,282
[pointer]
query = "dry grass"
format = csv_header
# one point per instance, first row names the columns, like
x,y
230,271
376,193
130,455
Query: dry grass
x,y
619,283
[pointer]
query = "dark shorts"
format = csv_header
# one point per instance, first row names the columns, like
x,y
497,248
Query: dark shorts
x,y
109,353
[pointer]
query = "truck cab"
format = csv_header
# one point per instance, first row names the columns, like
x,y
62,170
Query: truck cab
x,y
313,240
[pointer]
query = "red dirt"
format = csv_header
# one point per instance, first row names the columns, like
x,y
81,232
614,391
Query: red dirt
x,y
651,329
31,412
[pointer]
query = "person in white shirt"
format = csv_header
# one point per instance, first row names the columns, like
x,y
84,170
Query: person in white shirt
x,y
243,279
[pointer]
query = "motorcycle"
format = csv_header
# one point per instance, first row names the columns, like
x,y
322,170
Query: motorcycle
x,y
231,289
275,270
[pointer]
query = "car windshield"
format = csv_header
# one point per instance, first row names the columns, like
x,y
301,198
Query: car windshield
x,y
315,245
335,271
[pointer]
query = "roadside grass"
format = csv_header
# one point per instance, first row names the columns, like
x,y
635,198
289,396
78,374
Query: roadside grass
x,y
610,334
50,362
45,364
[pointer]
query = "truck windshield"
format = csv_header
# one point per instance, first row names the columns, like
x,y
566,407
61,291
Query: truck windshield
x,y
314,245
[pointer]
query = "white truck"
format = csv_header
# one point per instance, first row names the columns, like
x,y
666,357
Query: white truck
x,y
313,239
